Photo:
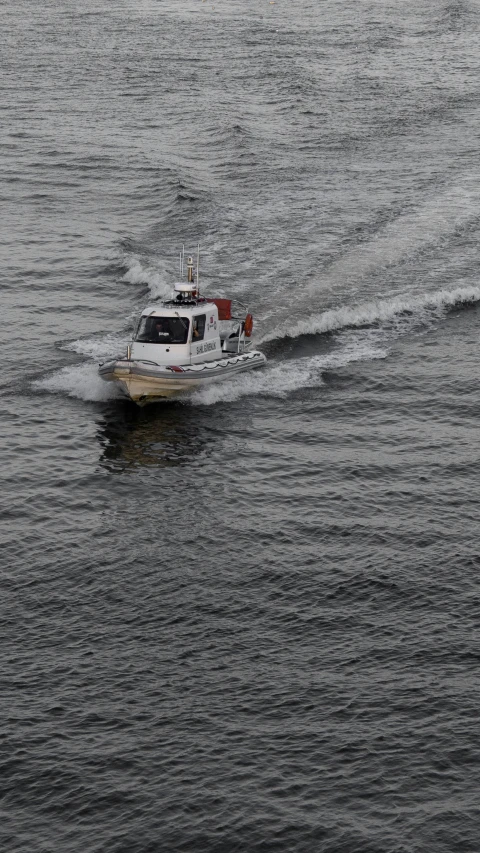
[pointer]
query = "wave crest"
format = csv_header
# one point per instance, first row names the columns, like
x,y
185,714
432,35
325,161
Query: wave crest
x,y
140,273
424,309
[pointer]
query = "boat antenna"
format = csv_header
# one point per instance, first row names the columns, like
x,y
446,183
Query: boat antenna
x,y
182,260
198,268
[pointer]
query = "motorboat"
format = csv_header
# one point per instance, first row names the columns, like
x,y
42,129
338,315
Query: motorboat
x,y
184,343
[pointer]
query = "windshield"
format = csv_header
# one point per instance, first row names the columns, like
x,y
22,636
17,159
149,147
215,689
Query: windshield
x,y
163,330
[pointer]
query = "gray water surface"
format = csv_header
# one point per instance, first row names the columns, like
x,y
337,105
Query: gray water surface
x,y
247,621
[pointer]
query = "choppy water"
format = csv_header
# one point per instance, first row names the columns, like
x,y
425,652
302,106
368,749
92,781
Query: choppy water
x,y
250,621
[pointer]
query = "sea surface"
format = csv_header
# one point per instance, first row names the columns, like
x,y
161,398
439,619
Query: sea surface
x,y
247,622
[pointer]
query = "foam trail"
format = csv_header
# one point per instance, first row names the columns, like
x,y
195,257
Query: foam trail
x,y
424,308
81,381
411,232
281,379
106,347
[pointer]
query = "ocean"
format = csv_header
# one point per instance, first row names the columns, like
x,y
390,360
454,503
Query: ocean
x,y
245,622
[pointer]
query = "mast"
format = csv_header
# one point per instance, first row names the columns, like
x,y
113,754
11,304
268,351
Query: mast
x,y
198,268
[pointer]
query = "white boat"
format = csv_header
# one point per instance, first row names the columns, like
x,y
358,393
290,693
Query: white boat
x,y
184,343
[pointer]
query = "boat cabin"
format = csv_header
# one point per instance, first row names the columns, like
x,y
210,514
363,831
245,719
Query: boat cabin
x,y
187,329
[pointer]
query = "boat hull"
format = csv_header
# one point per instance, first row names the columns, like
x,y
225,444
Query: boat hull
x,y
145,382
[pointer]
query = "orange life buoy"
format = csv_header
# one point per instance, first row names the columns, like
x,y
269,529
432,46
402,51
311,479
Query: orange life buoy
x,y
248,325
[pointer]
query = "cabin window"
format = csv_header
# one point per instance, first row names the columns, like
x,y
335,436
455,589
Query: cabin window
x,y
198,328
163,330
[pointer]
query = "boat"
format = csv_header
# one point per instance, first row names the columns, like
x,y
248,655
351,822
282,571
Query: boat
x,y
184,343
